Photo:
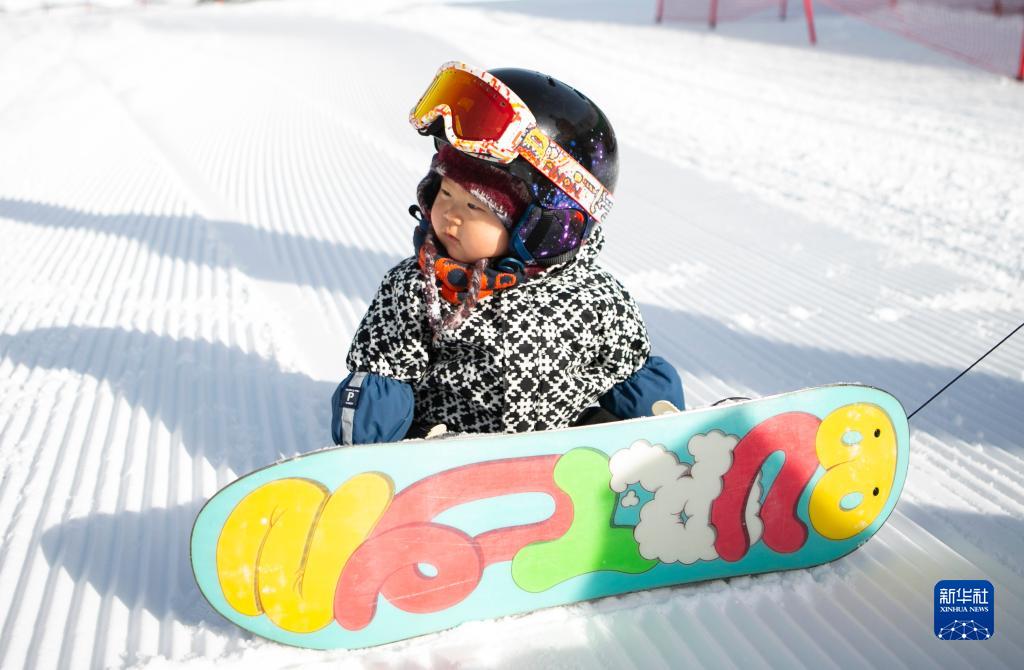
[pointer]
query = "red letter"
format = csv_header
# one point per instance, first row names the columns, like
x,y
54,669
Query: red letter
x,y
405,537
793,433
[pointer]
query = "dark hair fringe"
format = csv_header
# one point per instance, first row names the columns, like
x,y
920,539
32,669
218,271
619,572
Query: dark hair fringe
x,y
438,324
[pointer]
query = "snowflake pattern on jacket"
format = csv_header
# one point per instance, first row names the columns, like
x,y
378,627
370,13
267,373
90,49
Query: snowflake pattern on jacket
x,y
528,358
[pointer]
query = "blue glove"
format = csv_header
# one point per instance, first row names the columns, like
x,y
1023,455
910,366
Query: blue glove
x,y
368,408
632,398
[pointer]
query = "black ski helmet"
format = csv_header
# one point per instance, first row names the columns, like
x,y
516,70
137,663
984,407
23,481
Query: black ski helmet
x,y
569,118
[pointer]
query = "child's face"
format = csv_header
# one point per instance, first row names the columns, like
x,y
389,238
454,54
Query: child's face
x,y
468,229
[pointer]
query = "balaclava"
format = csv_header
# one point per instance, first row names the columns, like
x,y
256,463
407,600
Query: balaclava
x,y
462,284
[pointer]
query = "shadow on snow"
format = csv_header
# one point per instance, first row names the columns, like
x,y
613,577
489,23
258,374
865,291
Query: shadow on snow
x,y
259,253
141,558
234,409
745,360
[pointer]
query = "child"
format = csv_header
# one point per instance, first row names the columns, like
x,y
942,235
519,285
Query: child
x,y
502,321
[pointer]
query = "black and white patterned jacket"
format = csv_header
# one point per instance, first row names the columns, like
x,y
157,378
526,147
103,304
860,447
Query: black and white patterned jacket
x,y
527,358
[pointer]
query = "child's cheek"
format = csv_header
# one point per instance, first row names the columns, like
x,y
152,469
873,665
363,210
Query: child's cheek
x,y
436,217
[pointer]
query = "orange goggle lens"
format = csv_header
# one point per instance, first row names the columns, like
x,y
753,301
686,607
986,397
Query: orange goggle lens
x,y
479,112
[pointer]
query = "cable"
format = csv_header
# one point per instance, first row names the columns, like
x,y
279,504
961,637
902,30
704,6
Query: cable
x,y
964,372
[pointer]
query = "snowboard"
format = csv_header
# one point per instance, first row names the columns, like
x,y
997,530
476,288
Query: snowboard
x,y
359,546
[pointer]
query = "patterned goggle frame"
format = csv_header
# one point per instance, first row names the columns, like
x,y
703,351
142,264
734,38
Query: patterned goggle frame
x,y
485,118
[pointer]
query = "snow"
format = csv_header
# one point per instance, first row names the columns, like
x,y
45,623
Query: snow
x,y
197,203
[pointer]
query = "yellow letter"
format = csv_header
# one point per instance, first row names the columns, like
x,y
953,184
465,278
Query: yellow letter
x,y
283,547
856,445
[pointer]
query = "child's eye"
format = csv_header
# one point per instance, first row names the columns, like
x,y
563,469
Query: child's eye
x,y
445,193
472,206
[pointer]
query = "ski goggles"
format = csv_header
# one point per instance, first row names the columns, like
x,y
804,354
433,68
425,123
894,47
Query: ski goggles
x,y
483,117
549,236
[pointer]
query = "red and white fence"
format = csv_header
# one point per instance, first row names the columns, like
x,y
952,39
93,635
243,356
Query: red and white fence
x,y
986,33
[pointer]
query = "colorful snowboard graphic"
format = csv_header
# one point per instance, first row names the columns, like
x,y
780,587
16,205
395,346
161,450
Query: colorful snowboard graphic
x,y
345,548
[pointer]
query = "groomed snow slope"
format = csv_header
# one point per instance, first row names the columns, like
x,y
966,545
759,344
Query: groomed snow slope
x,y
197,203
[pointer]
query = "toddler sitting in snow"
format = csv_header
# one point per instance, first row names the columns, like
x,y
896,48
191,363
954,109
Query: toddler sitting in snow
x,y
502,321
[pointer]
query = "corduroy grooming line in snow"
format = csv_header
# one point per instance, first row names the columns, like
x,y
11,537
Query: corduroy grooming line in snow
x,y
985,33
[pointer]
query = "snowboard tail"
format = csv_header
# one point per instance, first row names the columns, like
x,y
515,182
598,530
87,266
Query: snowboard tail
x,y
353,547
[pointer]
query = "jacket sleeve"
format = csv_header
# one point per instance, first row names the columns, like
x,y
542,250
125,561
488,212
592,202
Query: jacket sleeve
x,y
639,378
389,352
633,398
393,340
368,408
